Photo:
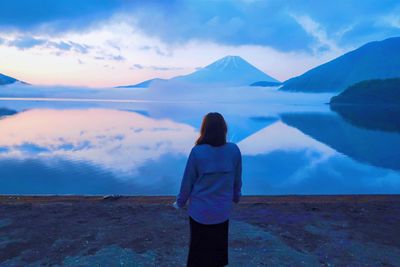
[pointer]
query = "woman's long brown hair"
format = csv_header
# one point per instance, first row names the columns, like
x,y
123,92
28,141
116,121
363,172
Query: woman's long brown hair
x,y
213,130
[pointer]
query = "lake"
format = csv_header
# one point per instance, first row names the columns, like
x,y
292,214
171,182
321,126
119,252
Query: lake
x,y
99,147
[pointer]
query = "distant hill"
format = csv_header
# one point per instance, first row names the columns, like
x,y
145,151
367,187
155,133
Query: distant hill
x,y
372,104
266,84
7,112
4,79
371,92
375,60
144,84
227,71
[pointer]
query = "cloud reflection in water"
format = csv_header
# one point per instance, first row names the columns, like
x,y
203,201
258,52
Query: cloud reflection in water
x,y
117,140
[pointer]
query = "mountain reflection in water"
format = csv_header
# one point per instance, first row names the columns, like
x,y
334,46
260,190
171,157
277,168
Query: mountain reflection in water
x,y
376,147
371,117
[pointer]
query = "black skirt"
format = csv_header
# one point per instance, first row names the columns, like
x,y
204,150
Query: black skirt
x,y
208,244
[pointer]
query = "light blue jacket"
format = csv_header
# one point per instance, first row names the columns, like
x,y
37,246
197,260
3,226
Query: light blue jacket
x,y
212,181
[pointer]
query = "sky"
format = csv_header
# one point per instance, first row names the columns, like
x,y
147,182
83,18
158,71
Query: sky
x,y
105,43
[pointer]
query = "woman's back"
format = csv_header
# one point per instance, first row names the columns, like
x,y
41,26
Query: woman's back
x,y
213,178
211,182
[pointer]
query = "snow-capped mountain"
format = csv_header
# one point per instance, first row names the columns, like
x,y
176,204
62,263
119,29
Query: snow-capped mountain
x,y
229,71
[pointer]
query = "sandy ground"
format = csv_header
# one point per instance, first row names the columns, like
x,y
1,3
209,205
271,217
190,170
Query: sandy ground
x,y
147,231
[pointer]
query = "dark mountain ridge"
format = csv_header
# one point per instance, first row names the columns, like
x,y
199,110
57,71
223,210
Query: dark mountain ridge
x,y
374,60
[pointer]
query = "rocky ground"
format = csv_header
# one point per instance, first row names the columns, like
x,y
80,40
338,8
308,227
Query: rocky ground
x,y
147,231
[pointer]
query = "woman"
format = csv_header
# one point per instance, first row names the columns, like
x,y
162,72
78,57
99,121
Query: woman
x,y
211,182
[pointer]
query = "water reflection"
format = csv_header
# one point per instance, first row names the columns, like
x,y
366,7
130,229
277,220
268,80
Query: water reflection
x,y
117,140
281,159
279,136
141,148
378,148
371,117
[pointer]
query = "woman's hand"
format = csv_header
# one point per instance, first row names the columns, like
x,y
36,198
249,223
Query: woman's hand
x,y
175,205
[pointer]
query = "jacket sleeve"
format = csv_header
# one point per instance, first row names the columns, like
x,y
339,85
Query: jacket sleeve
x,y
237,187
189,177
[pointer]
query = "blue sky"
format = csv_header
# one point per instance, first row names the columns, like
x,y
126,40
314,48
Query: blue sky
x,y
112,42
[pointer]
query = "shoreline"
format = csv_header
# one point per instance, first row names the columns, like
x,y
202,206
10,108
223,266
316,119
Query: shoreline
x,y
289,230
165,199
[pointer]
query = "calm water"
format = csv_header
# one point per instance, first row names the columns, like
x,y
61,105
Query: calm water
x,y
64,147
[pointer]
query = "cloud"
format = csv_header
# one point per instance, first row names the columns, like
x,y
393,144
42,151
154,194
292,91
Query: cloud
x,y
70,46
352,24
108,66
155,49
392,20
105,56
81,48
55,16
266,23
62,45
117,58
165,35
154,67
114,45
137,66
26,42
224,22
270,23
164,68
315,30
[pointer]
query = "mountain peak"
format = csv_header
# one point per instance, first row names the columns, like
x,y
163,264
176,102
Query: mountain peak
x,y
231,58
228,61
230,70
